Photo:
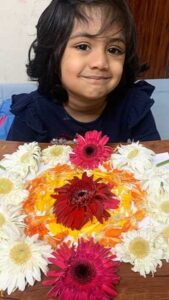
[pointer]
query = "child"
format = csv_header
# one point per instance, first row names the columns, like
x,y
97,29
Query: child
x,y
85,62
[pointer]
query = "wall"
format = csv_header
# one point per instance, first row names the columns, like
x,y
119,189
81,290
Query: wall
x,y
152,22
17,30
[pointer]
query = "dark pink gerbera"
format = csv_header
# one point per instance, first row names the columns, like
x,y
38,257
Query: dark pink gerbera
x,y
85,273
81,199
90,150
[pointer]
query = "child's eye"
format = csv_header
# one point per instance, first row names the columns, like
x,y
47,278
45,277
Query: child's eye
x,y
115,51
82,47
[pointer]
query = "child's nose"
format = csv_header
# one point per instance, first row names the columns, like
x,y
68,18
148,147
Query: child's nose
x,y
99,60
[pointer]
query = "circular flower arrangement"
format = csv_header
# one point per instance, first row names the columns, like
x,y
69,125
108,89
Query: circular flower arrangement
x,y
81,209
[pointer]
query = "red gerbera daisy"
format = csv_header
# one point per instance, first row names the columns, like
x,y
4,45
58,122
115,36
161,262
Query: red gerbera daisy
x,y
81,199
85,273
90,150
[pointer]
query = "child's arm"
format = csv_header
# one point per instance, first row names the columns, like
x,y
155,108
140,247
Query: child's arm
x,y
19,131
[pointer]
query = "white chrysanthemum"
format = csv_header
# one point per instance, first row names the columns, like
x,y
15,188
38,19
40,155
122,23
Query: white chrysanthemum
x,y
12,189
158,208
21,262
24,161
156,182
133,157
11,221
56,154
139,249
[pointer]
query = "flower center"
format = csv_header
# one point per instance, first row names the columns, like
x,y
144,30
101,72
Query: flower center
x,y
165,233
83,272
132,154
165,207
6,186
139,247
82,197
56,151
20,253
2,220
90,150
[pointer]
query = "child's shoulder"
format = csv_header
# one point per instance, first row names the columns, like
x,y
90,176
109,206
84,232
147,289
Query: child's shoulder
x,y
141,88
138,96
32,103
25,100
34,111
139,101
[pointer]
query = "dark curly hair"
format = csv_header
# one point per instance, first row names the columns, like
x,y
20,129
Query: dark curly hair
x,y
53,31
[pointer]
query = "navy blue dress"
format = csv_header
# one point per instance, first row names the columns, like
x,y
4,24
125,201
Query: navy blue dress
x,y
38,118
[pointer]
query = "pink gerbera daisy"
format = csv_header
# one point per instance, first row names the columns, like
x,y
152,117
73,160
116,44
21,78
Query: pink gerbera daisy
x,y
81,199
90,150
85,273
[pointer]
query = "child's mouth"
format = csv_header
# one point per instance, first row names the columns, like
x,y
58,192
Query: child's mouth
x,y
96,78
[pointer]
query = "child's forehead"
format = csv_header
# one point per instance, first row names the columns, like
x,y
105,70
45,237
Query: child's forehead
x,y
98,21
93,27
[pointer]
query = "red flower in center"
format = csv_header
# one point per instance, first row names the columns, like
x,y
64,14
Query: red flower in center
x,y
81,199
85,273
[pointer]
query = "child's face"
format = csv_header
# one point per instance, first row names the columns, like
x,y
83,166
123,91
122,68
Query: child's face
x,y
91,67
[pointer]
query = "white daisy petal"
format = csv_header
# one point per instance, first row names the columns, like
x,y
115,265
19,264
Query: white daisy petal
x,y
29,278
36,274
11,284
21,282
4,279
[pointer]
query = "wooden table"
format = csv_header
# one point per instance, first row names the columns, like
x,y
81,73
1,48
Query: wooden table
x,y
132,286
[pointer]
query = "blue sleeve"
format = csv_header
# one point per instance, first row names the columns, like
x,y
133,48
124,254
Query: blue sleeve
x,y
6,118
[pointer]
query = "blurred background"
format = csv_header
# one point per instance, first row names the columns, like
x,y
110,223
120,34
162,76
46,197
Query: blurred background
x,y
152,20
17,31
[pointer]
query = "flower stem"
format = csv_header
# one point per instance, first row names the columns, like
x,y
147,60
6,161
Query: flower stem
x,y
1,167
163,163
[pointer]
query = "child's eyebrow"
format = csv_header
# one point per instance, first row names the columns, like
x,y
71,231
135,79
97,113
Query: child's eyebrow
x,y
81,34
118,38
